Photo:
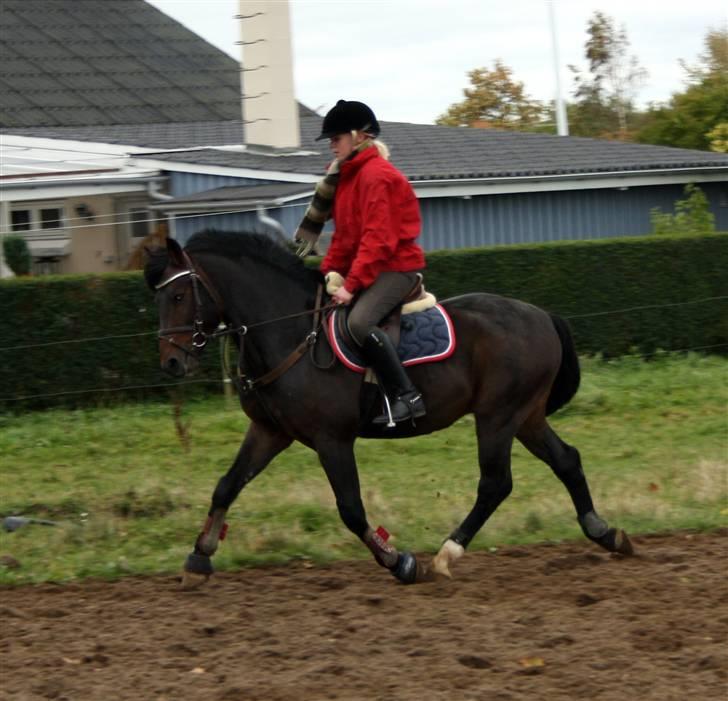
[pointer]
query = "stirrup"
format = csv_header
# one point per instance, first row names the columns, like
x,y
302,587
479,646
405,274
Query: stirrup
x,y
406,407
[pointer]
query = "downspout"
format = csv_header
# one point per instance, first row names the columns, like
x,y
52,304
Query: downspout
x,y
155,194
264,219
5,271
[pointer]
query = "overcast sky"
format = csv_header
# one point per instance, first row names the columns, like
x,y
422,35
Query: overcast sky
x,y
408,59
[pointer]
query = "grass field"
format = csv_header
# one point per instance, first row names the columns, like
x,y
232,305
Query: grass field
x,y
130,497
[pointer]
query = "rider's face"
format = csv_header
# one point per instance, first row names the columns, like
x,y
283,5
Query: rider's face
x,y
341,145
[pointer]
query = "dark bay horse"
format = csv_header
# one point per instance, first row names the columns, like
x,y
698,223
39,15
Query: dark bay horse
x,y
514,365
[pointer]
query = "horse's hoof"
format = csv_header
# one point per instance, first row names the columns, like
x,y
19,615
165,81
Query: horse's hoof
x,y
622,543
197,570
406,568
450,552
615,540
192,580
440,567
424,573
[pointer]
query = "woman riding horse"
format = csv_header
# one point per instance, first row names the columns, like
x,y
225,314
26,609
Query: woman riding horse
x,y
373,259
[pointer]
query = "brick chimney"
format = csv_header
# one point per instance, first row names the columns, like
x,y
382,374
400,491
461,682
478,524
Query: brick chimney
x,y
270,111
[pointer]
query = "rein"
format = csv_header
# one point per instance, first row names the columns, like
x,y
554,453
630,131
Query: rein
x,y
200,337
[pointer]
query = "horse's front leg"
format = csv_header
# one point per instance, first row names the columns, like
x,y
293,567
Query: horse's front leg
x,y
339,463
260,446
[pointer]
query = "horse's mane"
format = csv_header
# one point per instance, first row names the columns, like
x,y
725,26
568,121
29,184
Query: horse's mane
x,y
236,245
155,266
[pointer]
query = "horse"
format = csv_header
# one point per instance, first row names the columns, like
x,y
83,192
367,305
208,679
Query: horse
x,y
514,365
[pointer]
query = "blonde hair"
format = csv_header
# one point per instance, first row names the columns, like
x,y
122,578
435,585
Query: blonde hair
x,y
381,146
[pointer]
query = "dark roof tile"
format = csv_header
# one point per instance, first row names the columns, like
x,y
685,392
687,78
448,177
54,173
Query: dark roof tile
x,y
88,49
423,152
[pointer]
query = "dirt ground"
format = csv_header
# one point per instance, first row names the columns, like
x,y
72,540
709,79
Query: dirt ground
x,y
539,622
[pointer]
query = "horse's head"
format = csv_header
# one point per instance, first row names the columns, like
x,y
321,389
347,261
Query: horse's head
x,y
188,312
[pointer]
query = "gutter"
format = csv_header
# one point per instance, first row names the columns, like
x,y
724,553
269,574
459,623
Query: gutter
x,y
214,205
569,176
37,182
621,180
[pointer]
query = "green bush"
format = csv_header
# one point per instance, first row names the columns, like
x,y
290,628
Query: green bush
x,y
657,280
17,254
692,215
620,296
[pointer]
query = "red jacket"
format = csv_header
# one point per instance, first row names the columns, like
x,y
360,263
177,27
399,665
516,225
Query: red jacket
x,y
377,220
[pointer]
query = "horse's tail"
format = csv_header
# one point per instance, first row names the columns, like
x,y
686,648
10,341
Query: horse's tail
x,y
569,375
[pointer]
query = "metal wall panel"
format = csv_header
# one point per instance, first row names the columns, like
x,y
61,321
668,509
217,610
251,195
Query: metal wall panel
x,y
502,219
489,220
183,184
288,217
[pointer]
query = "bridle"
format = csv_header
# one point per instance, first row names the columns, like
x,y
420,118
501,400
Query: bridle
x,y
197,329
200,337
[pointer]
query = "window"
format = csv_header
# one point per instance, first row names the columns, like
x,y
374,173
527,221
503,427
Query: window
x,y
46,266
20,219
139,220
42,221
51,218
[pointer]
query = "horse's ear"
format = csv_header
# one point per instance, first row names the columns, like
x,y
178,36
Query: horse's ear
x,y
175,253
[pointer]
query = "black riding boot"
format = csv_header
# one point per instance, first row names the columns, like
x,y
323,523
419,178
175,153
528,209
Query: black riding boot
x,y
405,401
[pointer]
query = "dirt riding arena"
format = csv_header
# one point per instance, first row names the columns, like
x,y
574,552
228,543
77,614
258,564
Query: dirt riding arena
x,y
538,622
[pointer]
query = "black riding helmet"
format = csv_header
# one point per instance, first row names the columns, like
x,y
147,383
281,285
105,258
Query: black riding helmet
x,y
346,116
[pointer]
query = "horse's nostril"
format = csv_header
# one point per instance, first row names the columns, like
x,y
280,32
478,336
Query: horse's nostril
x,y
174,367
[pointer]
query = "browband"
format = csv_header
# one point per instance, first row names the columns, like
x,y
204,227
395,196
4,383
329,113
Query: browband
x,y
172,278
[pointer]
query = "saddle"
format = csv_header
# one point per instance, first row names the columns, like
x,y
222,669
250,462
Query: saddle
x,y
391,324
420,329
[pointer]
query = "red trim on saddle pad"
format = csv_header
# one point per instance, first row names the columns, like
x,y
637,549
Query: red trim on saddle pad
x,y
355,367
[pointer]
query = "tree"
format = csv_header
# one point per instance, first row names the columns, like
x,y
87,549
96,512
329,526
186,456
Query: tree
x,y
604,95
691,116
719,138
692,215
17,254
495,99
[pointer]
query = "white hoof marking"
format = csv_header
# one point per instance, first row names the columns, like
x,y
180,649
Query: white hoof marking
x,y
450,552
192,580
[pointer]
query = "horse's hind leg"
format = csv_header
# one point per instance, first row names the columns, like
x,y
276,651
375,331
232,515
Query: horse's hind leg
x,y
494,456
260,446
541,440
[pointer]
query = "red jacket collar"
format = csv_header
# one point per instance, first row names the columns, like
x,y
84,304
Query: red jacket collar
x,y
353,165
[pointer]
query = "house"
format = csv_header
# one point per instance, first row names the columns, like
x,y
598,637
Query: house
x,y
158,109
94,65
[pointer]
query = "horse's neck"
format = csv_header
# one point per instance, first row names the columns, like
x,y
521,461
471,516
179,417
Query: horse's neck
x,y
255,294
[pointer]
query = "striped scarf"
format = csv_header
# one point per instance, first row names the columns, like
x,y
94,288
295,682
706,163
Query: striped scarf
x,y
319,210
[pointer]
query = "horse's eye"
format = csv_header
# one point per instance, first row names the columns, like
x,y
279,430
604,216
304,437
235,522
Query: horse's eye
x,y
178,297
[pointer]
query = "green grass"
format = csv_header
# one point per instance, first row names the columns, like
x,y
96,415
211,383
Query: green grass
x,y
131,499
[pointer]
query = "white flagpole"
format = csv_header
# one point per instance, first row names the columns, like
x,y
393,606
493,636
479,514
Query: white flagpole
x,y
562,124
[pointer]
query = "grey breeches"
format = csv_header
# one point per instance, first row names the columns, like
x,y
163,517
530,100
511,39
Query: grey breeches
x,y
372,305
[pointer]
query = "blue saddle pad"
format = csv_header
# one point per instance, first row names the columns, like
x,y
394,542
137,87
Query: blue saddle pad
x,y
425,337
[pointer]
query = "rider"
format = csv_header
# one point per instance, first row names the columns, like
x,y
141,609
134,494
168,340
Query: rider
x,y
377,219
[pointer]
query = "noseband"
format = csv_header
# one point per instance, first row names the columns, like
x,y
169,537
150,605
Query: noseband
x,y
199,336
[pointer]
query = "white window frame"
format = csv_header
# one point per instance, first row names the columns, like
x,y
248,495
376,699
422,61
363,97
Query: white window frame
x,y
36,231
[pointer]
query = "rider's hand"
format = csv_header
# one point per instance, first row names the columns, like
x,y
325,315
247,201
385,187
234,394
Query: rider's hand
x,y
342,296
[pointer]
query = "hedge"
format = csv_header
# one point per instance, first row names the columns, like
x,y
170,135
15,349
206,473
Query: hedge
x,y
620,296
